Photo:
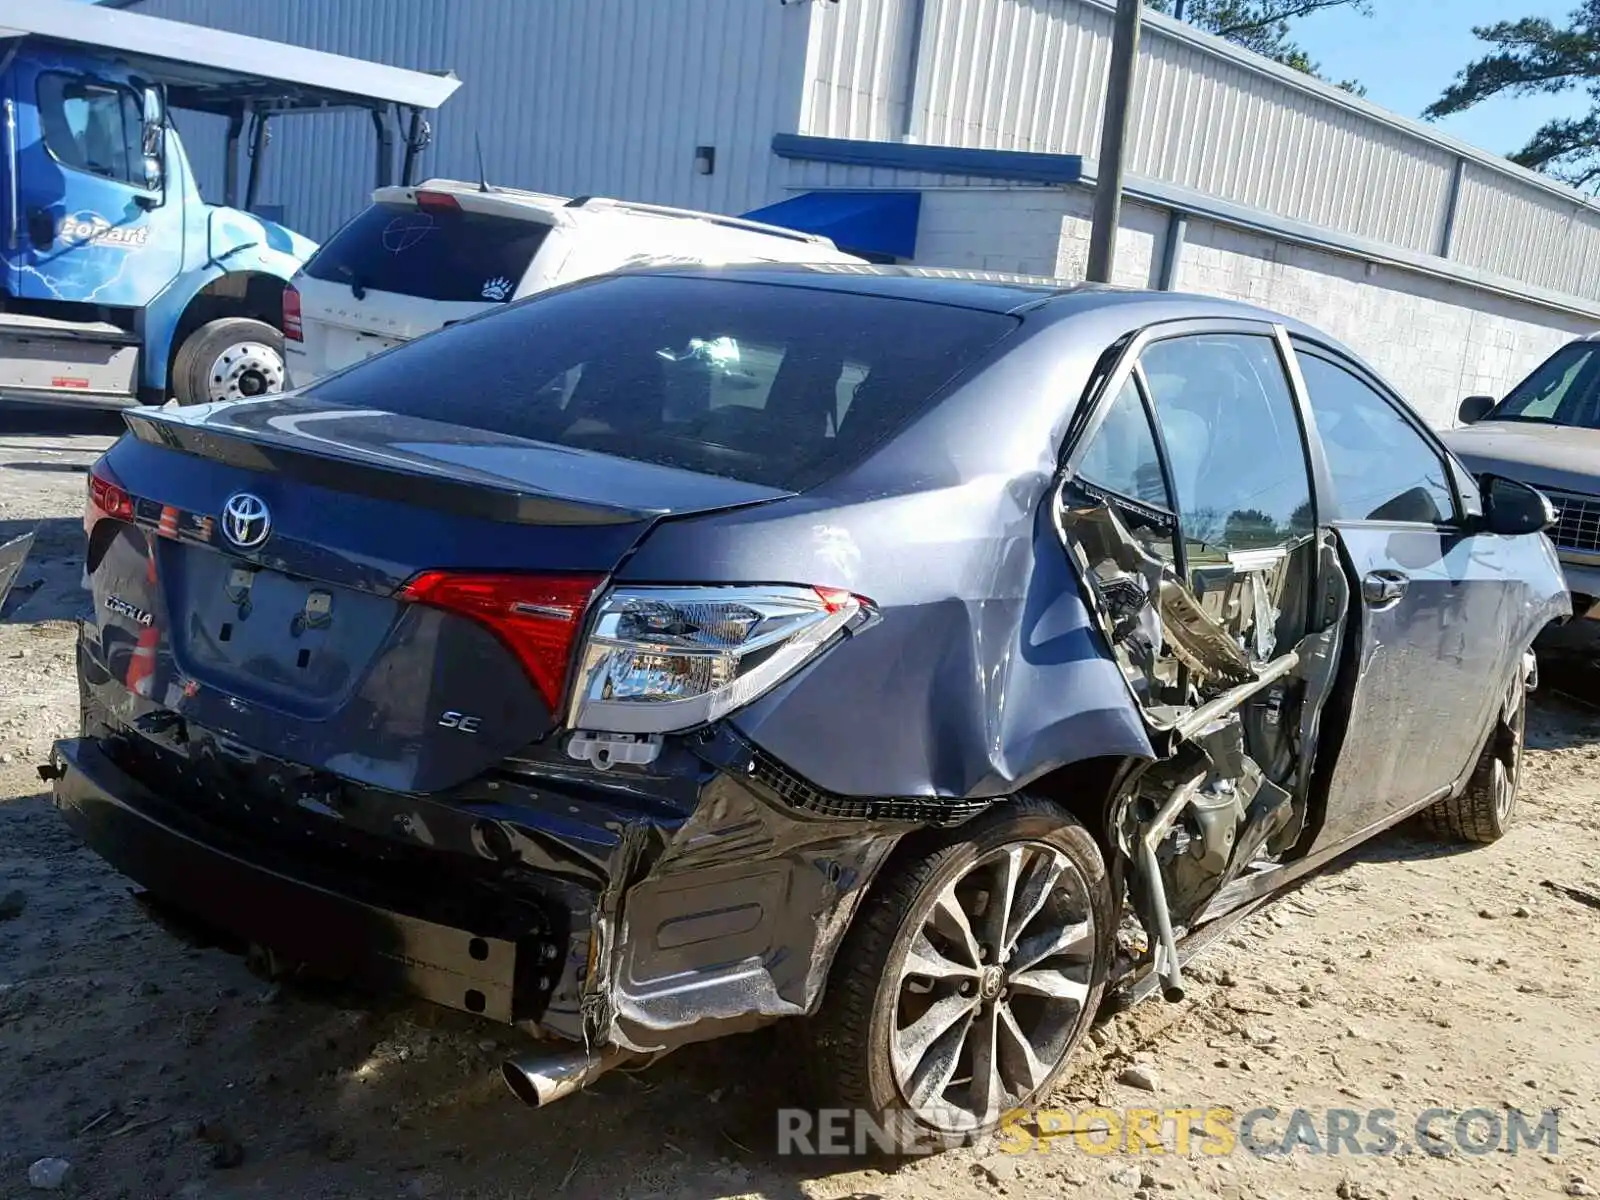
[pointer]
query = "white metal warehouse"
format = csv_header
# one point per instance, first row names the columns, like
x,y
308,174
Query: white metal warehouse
x,y
963,133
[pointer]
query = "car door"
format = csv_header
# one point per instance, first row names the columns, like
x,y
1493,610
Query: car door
x,y
92,224
1432,650
1194,467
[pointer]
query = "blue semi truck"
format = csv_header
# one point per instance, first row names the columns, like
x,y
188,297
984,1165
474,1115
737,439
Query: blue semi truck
x,y
119,284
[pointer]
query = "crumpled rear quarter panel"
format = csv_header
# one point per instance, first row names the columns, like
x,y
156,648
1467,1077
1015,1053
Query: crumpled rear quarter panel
x,y
986,669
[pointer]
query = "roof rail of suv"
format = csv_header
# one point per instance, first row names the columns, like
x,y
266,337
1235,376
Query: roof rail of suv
x,y
663,210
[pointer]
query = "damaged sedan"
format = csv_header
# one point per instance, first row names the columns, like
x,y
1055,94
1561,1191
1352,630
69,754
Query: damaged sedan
x,y
909,658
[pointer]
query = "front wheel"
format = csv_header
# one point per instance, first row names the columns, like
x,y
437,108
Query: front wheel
x,y
1482,812
968,977
232,358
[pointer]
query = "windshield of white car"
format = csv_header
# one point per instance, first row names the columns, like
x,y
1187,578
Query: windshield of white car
x,y
1563,390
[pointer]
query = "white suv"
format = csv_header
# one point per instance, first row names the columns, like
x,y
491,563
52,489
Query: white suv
x,y
419,258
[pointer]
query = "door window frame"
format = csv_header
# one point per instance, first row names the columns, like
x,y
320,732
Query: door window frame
x,y
1458,481
119,86
1104,389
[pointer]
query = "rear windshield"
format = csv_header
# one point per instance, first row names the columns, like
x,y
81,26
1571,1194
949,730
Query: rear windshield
x,y
1563,390
774,385
435,255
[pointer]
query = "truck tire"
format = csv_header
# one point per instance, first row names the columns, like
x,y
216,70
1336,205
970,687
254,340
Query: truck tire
x,y
230,358
1026,983
1482,812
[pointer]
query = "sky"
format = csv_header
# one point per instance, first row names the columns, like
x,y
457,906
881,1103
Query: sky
x,y
1409,51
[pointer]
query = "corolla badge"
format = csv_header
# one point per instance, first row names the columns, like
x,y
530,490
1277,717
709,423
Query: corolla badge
x,y
246,520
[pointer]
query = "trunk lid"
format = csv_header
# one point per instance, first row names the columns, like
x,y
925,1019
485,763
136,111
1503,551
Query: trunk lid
x,y
277,622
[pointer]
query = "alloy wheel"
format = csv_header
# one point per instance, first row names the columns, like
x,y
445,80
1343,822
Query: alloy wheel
x,y
1508,756
991,988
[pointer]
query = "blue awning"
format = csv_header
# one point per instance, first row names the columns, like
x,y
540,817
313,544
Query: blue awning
x,y
860,222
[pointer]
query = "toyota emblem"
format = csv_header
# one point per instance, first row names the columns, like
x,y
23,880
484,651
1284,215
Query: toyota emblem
x,y
246,521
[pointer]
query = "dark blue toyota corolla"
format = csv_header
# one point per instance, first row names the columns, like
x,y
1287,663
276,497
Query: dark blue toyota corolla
x,y
912,657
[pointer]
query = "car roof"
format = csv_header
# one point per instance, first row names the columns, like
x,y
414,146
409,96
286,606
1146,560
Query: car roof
x,y
986,291
1040,301
551,209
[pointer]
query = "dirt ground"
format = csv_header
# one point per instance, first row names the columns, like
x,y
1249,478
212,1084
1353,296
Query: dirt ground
x,y
1404,978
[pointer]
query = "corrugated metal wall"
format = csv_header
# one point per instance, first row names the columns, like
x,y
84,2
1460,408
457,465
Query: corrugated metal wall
x,y
1029,75
613,96
1513,228
605,97
860,62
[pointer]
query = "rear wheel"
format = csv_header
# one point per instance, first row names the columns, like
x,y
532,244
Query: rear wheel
x,y
968,978
228,359
1483,811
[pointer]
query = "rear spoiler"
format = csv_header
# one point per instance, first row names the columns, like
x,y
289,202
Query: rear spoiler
x,y
385,474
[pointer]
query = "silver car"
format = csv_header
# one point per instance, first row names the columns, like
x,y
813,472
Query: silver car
x,y
1546,432
907,658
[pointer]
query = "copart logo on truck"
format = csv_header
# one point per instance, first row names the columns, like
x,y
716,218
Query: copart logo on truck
x,y
91,229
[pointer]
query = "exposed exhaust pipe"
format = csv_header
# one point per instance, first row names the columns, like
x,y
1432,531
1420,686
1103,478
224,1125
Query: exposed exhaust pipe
x,y
541,1079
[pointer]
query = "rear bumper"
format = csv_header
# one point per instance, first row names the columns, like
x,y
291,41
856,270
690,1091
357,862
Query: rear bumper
x,y
636,908
117,817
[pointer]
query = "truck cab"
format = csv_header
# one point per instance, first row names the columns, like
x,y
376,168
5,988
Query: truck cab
x,y
119,283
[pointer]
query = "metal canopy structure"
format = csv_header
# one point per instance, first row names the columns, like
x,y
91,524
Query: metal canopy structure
x,y
212,71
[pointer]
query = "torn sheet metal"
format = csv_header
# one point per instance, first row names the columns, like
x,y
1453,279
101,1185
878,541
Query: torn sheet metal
x,y
1229,711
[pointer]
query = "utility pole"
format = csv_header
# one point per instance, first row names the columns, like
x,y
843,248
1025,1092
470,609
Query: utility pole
x,y
1177,9
1113,137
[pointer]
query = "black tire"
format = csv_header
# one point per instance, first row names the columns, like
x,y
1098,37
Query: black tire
x,y
192,379
850,1036
1486,806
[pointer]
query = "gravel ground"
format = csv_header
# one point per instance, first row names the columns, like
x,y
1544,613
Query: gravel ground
x,y
1403,978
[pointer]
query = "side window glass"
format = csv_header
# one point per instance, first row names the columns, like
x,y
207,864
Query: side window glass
x,y
1233,440
1122,456
92,127
1382,468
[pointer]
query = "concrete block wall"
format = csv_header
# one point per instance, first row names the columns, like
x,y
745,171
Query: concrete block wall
x,y
1032,231
1435,340
1016,230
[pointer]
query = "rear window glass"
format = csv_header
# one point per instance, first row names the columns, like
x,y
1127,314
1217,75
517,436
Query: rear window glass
x,y
434,255
774,385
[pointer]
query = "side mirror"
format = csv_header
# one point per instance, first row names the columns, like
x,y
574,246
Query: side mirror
x,y
1474,409
154,142
1512,508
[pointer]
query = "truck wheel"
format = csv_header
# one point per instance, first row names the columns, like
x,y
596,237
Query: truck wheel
x,y
231,358
968,978
1482,812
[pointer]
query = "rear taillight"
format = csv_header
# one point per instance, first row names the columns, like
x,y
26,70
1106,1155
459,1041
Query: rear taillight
x,y
292,328
106,497
537,616
437,202
664,659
